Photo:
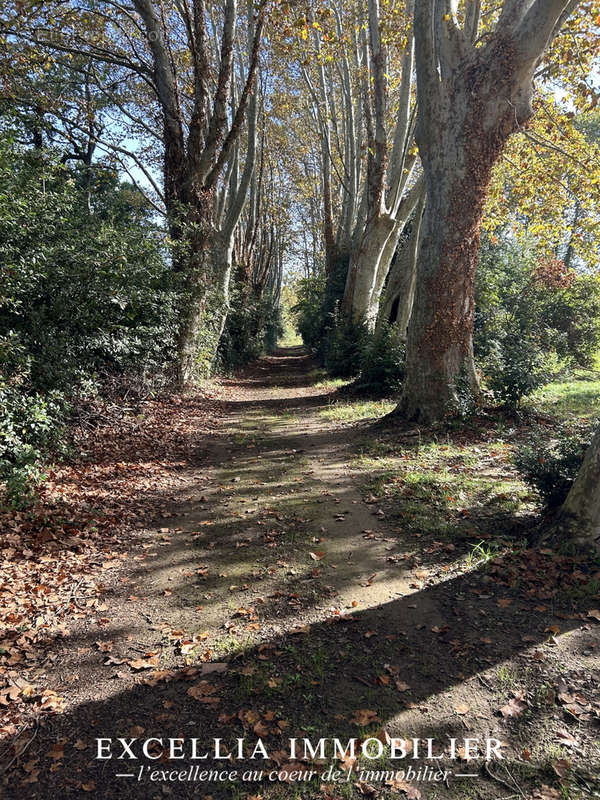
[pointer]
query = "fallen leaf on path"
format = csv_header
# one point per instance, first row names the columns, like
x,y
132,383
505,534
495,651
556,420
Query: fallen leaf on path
x,y
562,767
52,702
144,663
57,751
566,738
364,716
213,666
398,785
546,793
366,789
383,737
514,707
260,729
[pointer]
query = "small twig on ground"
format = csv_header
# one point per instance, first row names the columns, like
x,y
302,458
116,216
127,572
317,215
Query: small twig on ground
x,y
483,682
71,597
501,781
21,751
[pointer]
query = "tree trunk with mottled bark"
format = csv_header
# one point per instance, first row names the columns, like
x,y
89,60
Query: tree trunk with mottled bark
x,y
397,304
470,100
579,519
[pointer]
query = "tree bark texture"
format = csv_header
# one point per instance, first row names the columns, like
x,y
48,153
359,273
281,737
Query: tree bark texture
x,y
470,99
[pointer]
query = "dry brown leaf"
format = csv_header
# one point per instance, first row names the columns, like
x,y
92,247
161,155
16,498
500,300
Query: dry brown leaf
x,y
57,751
546,793
562,767
202,690
514,707
364,716
566,738
398,785
143,663
300,629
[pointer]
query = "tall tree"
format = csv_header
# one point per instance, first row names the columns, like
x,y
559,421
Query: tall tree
x,y
472,95
392,187
190,71
196,153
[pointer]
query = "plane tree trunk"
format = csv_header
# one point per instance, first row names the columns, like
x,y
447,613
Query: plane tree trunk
x,y
578,522
197,150
392,188
397,304
470,100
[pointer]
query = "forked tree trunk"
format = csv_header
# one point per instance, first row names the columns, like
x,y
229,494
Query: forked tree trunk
x,y
400,291
470,99
387,199
370,262
365,264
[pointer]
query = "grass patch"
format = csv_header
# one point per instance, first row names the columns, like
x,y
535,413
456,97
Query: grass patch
x,y
321,380
574,397
364,409
441,487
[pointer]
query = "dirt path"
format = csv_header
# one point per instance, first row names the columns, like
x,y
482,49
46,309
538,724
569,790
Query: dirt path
x,y
276,599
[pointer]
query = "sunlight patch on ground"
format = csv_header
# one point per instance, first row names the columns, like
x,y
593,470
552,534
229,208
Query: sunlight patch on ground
x,y
572,398
360,409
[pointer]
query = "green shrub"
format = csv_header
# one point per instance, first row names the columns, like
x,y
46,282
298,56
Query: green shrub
x,y
318,301
252,328
309,310
514,367
533,318
82,293
574,313
345,344
87,296
550,467
30,425
382,361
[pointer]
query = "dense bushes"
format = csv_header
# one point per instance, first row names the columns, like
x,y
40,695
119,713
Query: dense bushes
x,y
252,328
515,366
550,467
317,308
86,293
343,347
382,361
83,292
533,317
30,425
346,348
